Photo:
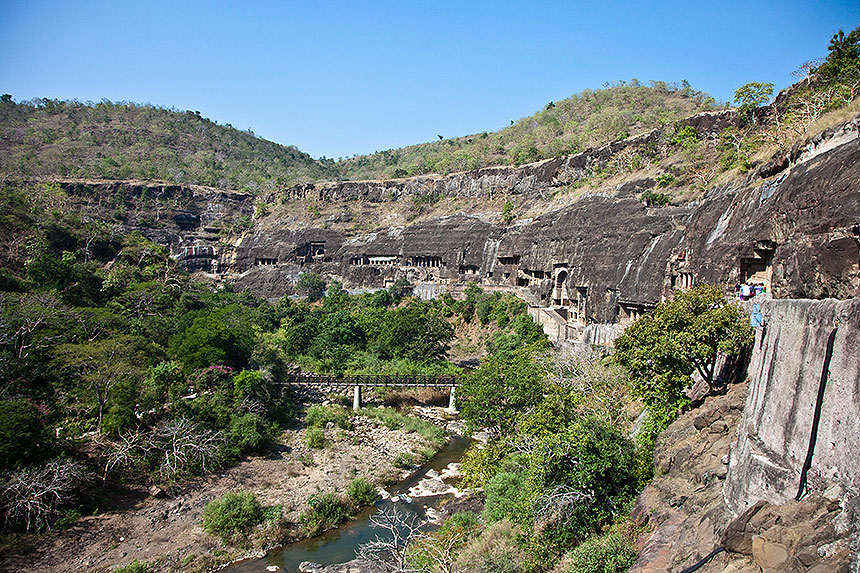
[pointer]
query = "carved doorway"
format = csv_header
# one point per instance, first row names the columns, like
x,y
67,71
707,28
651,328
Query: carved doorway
x,y
559,295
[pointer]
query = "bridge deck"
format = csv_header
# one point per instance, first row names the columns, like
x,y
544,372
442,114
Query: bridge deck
x,y
443,381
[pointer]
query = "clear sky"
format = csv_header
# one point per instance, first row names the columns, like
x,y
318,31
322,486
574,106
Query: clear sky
x,y
342,78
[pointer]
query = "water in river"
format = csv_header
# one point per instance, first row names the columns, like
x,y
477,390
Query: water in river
x,y
339,545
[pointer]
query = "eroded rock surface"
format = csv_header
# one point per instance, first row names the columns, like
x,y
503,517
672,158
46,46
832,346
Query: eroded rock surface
x,y
785,376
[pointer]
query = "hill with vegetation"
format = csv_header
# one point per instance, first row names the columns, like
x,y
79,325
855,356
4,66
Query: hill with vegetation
x,y
589,119
45,138
48,138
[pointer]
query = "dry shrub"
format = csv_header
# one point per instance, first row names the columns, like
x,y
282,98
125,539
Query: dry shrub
x,y
413,396
32,498
495,551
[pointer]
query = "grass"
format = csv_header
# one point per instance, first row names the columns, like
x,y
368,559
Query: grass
x,y
320,416
394,420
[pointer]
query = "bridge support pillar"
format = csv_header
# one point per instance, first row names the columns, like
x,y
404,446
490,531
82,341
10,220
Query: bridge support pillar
x,y
356,398
452,402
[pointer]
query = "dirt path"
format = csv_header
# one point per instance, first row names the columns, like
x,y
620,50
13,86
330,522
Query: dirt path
x,y
167,533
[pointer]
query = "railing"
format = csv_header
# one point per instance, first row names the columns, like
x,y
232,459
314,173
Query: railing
x,y
403,380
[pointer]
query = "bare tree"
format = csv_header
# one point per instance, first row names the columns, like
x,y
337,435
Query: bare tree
x,y
807,68
183,447
177,446
442,547
389,553
602,388
123,452
558,505
22,316
807,109
33,497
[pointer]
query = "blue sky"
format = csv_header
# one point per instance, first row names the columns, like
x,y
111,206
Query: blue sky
x,y
342,78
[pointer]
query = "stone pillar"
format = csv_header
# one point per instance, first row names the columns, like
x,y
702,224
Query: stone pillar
x,y
356,398
452,403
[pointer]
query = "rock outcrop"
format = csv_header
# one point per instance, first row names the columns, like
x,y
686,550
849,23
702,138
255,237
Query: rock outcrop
x,y
729,471
790,359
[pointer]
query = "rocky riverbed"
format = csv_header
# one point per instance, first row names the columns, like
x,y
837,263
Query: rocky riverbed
x,y
166,531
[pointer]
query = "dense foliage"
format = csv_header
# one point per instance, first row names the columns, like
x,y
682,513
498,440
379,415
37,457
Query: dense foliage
x,y
557,464
111,356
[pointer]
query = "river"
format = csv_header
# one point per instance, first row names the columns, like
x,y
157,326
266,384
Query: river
x,y
339,545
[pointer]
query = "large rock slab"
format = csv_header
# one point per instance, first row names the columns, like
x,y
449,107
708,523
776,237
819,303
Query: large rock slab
x,y
785,372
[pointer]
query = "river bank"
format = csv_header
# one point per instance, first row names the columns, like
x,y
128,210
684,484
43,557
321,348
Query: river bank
x,y
166,532
419,495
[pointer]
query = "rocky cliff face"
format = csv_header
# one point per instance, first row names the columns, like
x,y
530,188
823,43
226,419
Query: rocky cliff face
x,y
605,257
790,359
793,224
729,470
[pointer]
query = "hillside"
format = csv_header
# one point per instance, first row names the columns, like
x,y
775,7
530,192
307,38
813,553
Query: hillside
x,y
44,138
589,119
118,140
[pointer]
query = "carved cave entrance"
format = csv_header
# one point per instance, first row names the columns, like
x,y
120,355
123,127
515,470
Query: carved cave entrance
x,y
559,294
758,269
581,303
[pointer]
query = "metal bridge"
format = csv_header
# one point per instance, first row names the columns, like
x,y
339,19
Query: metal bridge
x,y
356,381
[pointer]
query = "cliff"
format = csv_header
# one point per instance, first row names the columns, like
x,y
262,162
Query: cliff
x,y
594,255
604,257
729,471
794,360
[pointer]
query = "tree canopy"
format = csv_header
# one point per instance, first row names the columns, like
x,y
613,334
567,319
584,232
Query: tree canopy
x,y
662,349
843,60
502,391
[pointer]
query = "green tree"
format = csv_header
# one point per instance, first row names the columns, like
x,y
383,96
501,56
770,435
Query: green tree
x,y
336,297
579,477
210,339
400,290
249,383
750,96
23,438
416,332
297,332
508,211
339,335
686,137
843,61
100,366
503,390
662,349
310,285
